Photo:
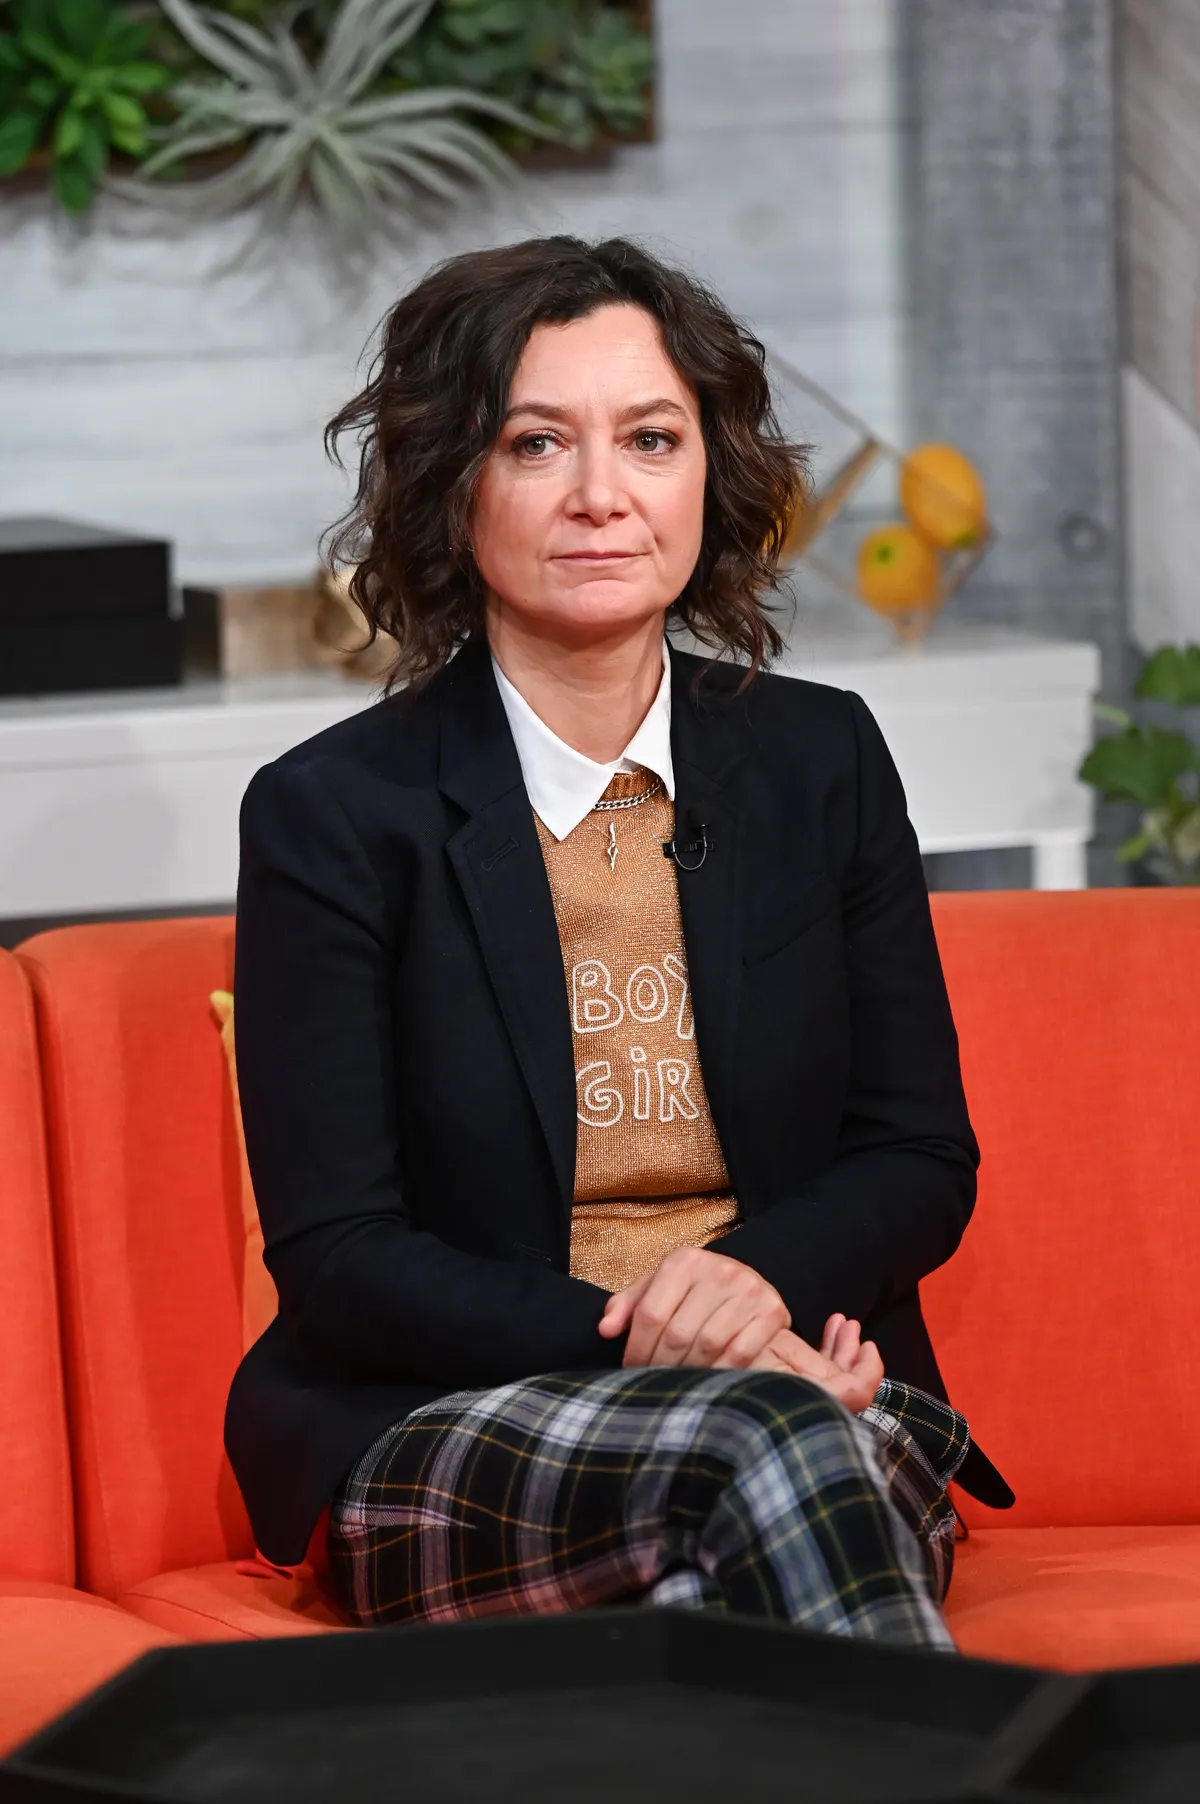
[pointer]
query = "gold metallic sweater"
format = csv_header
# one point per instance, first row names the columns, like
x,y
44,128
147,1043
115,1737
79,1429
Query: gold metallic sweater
x,y
649,1172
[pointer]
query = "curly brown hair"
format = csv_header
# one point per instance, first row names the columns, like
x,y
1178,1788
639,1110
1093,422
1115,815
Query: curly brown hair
x,y
435,404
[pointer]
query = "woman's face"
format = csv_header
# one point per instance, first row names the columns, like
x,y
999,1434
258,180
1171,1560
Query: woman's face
x,y
590,508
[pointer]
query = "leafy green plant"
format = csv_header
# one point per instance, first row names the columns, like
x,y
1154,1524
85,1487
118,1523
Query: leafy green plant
x,y
580,66
374,106
73,76
1156,767
314,123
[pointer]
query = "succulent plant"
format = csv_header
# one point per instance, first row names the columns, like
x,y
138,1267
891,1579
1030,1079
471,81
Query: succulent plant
x,y
73,75
367,158
582,66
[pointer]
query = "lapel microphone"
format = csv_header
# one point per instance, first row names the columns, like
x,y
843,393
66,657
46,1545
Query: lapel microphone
x,y
672,848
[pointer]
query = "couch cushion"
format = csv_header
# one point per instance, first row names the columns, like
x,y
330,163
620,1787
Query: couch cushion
x,y
1078,1598
145,1168
148,1195
56,1645
1065,1324
221,1603
36,1525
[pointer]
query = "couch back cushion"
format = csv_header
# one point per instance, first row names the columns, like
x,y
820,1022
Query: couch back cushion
x,y
37,1537
1066,1324
144,1163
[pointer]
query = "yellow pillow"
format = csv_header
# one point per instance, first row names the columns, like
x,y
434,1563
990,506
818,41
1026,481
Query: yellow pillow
x,y
260,1301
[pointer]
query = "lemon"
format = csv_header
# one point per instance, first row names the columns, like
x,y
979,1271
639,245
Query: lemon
x,y
943,495
898,570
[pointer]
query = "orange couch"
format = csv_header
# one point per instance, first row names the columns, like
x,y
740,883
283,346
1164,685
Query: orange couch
x,y
56,1642
1065,1322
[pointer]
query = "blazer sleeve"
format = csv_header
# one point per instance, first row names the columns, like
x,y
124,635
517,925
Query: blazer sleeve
x,y
893,1204
316,1026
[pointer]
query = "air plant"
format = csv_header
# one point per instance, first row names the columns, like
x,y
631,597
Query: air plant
x,y
311,125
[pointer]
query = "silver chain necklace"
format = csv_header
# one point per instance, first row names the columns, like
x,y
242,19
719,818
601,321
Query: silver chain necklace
x,y
617,802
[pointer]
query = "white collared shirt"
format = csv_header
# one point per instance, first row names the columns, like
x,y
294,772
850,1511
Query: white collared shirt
x,y
563,786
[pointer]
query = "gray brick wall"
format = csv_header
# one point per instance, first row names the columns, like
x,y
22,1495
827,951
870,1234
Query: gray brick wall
x,y
1012,276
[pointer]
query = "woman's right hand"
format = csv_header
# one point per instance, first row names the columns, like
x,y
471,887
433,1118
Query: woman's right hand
x,y
699,1308
846,1366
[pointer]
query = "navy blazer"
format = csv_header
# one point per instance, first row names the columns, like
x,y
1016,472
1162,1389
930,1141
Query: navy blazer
x,y
407,1073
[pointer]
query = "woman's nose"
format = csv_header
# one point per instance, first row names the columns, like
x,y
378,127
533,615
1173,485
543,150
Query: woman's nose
x,y
598,491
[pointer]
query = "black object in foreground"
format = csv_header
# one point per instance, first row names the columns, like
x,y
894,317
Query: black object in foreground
x,y
1130,1736
604,1707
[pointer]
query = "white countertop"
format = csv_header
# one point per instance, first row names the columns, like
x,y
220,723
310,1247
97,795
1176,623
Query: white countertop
x,y
129,800
847,648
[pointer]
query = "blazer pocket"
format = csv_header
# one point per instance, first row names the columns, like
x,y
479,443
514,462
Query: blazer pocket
x,y
788,921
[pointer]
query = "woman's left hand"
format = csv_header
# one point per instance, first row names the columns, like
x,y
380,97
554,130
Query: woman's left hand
x,y
846,1366
698,1309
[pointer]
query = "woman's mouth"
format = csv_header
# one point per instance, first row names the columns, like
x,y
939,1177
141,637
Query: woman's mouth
x,y
594,557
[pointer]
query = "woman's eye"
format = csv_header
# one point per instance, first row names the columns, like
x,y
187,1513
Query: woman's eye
x,y
654,440
534,444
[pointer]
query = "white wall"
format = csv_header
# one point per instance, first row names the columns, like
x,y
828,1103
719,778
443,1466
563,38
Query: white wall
x,y
1162,487
1159,70
139,389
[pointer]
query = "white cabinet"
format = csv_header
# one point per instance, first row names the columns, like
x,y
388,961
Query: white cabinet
x,y
987,727
130,801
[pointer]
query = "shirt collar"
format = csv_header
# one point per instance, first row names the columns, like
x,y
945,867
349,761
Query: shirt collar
x,y
563,786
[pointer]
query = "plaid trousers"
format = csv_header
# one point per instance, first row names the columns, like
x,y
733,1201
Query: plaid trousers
x,y
747,1491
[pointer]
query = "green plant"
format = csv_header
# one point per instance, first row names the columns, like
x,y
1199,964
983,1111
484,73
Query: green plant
x,y
315,122
73,75
580,66
302,102
1156,767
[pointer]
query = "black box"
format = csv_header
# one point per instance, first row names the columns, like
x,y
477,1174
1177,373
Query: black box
x,y
82,608
600,1707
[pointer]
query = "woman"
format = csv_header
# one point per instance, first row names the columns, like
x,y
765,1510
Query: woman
x,y
579,1164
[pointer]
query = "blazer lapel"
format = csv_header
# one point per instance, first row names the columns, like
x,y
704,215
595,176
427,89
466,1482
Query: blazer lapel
x,y
498,862
707,751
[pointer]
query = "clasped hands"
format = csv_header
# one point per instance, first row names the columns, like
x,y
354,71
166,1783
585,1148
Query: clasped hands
x,y
704,1309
